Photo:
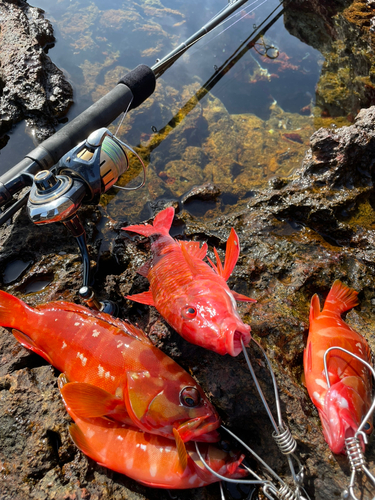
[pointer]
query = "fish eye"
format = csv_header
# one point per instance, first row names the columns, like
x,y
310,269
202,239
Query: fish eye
x,y
367,427
189,312
189,396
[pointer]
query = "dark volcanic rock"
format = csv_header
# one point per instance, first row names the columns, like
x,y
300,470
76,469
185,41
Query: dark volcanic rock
x,y
31,86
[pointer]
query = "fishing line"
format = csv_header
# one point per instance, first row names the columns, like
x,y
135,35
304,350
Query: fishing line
x,y
235,22
162,64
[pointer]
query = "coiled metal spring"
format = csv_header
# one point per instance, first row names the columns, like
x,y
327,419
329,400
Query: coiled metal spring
x,y
285,441
284,493
355,453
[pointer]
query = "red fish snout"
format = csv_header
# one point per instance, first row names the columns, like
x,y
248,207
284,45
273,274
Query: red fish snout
x,y
343,413
233,331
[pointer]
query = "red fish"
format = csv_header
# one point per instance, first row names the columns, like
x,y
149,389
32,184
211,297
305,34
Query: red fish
x,y
192,296
113,369
149,459
343,406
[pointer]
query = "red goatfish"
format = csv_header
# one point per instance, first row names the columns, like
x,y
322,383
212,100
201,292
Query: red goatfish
x,y
150,459
343,406
192,296
113,369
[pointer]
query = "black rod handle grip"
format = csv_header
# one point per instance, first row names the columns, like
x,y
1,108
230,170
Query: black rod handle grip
x,y
135,87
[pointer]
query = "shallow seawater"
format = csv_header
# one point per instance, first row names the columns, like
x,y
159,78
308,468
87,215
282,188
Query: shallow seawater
x,y
254,124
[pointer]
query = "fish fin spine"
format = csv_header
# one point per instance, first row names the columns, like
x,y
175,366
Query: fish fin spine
x,y
241,298
231,254
341,298
314,308
142,298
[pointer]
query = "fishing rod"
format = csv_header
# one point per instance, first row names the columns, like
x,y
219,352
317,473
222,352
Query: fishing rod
x,y
250,42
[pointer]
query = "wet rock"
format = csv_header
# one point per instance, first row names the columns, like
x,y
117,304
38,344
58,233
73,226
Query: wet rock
x,y
31,86
204,192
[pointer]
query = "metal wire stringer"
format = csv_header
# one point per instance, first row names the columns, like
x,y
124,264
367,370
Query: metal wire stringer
x,y
282,435
353,444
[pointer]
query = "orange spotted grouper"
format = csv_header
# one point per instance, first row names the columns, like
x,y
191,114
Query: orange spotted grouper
x,y
113,369
192,296
343,406
148,458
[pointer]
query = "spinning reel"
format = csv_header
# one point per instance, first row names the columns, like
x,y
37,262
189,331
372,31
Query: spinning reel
x,y
81,176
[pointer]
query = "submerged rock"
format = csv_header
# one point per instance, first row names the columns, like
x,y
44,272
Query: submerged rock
x,y
347,81
31,86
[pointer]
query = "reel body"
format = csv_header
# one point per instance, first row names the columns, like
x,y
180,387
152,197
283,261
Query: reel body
x,y
81,176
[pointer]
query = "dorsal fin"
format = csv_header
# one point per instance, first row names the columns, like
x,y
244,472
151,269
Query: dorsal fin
x,y
341,298
194,249
232,252
189,259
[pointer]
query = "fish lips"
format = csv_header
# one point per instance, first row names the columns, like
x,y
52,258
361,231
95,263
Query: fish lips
x,y
202,429
234,332
339,422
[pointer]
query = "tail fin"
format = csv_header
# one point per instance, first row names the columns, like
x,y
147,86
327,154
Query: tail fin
x,y
162,224
341,298
13,311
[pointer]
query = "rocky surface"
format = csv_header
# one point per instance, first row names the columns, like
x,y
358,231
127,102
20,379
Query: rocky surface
x,y
31,86
296,237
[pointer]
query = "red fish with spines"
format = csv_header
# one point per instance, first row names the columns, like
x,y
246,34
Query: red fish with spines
x,y
191,295
343,406
150,459
113,369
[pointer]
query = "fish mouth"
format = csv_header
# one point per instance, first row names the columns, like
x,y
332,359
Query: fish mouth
x,y
337,427
233,340
202,429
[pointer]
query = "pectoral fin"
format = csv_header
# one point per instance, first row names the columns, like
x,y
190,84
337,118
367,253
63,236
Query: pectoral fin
x,y
142,298
181,450
88,401
27,342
